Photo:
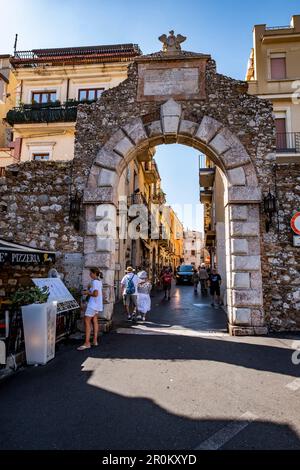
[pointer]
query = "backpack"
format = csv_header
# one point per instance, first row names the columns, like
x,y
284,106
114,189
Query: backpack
x,y
167,278
130,288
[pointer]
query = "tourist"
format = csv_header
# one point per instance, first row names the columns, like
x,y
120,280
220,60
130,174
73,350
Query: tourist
x,y
215,282
203,278
195,280
143,297
167,283
94,307
129,285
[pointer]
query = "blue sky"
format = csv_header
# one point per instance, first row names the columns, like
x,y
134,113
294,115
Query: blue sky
x,y
220,28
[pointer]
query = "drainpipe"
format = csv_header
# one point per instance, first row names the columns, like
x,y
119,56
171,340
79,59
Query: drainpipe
x,y
21,92
68,88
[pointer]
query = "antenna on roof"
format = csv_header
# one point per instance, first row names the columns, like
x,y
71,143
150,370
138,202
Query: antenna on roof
x,y
15,45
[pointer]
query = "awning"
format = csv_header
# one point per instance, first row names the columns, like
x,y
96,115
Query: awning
x,y
14,253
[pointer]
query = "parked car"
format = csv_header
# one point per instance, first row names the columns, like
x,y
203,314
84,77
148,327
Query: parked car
x,y
184,274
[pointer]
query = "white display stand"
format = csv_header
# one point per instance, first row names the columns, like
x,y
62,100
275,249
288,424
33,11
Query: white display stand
x,y
57,292
39,322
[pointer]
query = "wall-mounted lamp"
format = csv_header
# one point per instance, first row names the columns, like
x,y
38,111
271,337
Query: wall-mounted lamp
x,y
270,207
75,209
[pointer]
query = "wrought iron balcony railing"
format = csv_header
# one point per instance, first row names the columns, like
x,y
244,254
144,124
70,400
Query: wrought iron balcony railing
x,y
50,112
137,198
288,142
76,55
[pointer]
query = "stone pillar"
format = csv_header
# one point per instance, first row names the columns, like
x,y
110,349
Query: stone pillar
x,y
244,294
99,250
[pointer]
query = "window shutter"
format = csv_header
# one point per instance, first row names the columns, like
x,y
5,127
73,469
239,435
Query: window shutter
x,y
278,68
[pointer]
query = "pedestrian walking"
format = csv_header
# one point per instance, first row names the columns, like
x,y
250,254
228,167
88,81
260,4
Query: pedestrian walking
x,y
94,307
196,281
167,283
215,282
143,296
129,285
203,278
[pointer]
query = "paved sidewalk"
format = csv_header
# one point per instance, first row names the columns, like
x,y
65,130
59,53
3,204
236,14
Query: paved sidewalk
x,y
181,385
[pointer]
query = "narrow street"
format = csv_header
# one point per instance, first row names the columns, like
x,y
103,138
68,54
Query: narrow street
x,y
177,381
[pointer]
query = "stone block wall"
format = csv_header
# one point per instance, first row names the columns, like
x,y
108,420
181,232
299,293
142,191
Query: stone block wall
x,y
14,277
34,211
34,198
281,262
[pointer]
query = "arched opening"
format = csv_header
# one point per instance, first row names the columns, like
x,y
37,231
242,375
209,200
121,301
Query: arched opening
x,y
242,197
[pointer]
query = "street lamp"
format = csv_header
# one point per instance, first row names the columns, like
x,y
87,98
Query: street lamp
x,y
75,209
269,208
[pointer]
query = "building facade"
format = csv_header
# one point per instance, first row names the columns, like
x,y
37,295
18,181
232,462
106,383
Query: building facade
x,y
49,86
274,74
8,86
192,246
135,116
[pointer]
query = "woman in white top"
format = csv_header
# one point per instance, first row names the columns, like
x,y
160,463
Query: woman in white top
x,y
94,307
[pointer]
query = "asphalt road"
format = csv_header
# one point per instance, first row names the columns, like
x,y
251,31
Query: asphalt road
x,y
176,382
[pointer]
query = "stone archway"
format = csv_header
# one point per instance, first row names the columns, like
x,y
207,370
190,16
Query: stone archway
x,y
129,119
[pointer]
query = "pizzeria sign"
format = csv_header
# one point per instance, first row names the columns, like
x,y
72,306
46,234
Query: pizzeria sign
x,y
15,257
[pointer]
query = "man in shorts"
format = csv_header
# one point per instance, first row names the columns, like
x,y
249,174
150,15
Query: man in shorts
x,y
129,285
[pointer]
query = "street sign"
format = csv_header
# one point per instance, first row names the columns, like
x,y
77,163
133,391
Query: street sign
x,y
296,240
295,223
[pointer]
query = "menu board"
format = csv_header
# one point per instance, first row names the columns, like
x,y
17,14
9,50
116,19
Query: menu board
x,y
58,292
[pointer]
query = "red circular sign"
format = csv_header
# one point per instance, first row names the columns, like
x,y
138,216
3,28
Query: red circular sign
x,y
295,223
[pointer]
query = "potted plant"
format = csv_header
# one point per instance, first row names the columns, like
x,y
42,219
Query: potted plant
x,y
39,323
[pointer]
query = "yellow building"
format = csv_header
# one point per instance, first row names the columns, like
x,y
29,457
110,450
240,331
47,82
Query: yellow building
x,y
7,101
274,74
49,85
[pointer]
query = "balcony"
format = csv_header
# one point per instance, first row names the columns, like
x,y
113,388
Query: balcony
x,y
288,142
137,198
206,195
150,176
146,155
207,177
52,112
159,198
210,237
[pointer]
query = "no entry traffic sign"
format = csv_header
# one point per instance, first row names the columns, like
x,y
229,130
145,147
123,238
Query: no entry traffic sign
x,y
295,223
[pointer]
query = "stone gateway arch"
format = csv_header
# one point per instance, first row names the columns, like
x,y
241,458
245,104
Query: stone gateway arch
x,y
177,96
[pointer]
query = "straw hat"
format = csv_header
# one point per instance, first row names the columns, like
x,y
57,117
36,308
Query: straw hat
x,y
129,269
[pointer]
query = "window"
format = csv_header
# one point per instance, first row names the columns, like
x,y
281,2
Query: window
x,y
193,253
89,94
186,267
40,156
278,68
43,97
280,124
2,91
